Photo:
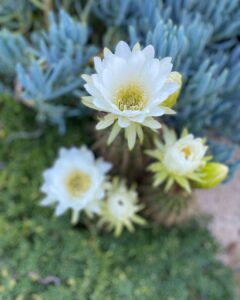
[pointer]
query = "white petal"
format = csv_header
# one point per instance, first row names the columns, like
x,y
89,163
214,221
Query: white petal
x,y
162,69
168,111
123,122
105,122
136,64
98,64
169,136
88,101
75,216
91,89
114,133
139,132
47,201
62,152
103,165
149,52
131,136
122,50
93,208
107,53
85,154
168,89
98,84
129,113
114,75
151,123
157,111
60,209
139,118
102,105
166,60
87,78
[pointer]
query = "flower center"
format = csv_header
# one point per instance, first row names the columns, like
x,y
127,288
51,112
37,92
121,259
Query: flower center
x,y
186,151
118,207
77,183
131,97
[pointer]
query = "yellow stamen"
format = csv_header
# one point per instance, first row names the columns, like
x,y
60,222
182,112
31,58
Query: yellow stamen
x,y
186,151
77,183
130,97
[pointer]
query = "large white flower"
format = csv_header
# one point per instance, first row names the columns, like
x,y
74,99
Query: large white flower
x,y
130,86
120,208
75,181
178,160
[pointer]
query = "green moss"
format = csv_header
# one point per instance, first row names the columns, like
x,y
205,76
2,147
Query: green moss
x,y
153,263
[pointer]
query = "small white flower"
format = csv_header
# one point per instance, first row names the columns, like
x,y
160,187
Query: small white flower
x,y
120,208
130,86
185,155
178,160
75,181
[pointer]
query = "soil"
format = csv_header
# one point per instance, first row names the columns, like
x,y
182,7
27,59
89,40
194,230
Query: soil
x,y
223,204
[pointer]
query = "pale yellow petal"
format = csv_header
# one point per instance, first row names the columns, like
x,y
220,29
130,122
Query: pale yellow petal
x,y
114,133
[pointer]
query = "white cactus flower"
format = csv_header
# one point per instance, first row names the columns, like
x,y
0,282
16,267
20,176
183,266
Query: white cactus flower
x,y
76,181
178,160
120,208
130,86
185,155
